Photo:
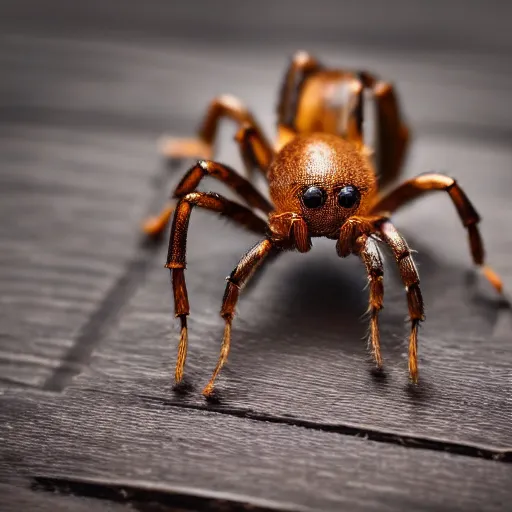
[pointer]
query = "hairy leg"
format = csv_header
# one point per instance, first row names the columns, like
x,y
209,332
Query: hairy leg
x,y
236,281
411,280
369,253
154,226
176,258
250,136
416,187
301,66
392,133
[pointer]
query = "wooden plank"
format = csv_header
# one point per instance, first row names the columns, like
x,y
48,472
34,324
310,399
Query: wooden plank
x,y
48,494
145,495
140,443
72,196
68,219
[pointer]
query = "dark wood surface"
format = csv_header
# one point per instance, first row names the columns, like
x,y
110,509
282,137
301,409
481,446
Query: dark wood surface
x,y
89,419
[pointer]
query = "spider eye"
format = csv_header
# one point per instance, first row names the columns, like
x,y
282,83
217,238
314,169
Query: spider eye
x,y
349,196
313,197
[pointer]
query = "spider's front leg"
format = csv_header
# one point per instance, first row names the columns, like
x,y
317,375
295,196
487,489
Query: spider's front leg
x,y
411,281
368,251
288,231
355,238
236,281
176,258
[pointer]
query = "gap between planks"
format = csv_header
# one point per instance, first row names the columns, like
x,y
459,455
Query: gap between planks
x,y
407,441
147,494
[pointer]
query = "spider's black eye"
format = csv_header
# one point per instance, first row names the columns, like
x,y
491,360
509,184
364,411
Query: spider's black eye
x,y
313,197
349,196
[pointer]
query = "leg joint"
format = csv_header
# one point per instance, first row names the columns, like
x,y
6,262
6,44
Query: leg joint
x,y
204,165
229,301
193,198
376,293
231,104
415,302
451,185
467,213
408,272
216,170
405,253
231,279
376,274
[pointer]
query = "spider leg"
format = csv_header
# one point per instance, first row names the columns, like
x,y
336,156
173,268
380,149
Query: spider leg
x,y
154,226
301,67
315,98
420,185
236,281
410,278
176,258
256,151
251,139
369,253
392,133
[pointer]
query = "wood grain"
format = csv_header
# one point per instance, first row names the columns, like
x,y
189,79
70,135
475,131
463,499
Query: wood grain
x,y
72,196
144,442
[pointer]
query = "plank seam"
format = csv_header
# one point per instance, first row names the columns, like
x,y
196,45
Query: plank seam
x,y
168,496
94,330
493,453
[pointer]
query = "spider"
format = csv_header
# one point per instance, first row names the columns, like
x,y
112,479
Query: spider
x,y
324,181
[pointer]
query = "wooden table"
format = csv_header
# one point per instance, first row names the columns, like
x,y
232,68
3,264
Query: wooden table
x,y
89,419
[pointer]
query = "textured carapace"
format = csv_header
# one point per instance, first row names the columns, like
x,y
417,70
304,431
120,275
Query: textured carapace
x,y
323,180
330,164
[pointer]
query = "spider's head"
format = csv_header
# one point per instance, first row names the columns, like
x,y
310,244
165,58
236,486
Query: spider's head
x,y
324,179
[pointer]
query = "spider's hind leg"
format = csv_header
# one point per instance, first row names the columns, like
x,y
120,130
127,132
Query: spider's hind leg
x,y
202,146
392,133
316,98
302,66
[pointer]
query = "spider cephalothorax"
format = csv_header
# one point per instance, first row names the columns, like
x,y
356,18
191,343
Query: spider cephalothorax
x,y
322,182
324,179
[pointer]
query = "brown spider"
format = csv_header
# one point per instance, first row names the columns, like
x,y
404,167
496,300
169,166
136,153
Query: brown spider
x,y
323,181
